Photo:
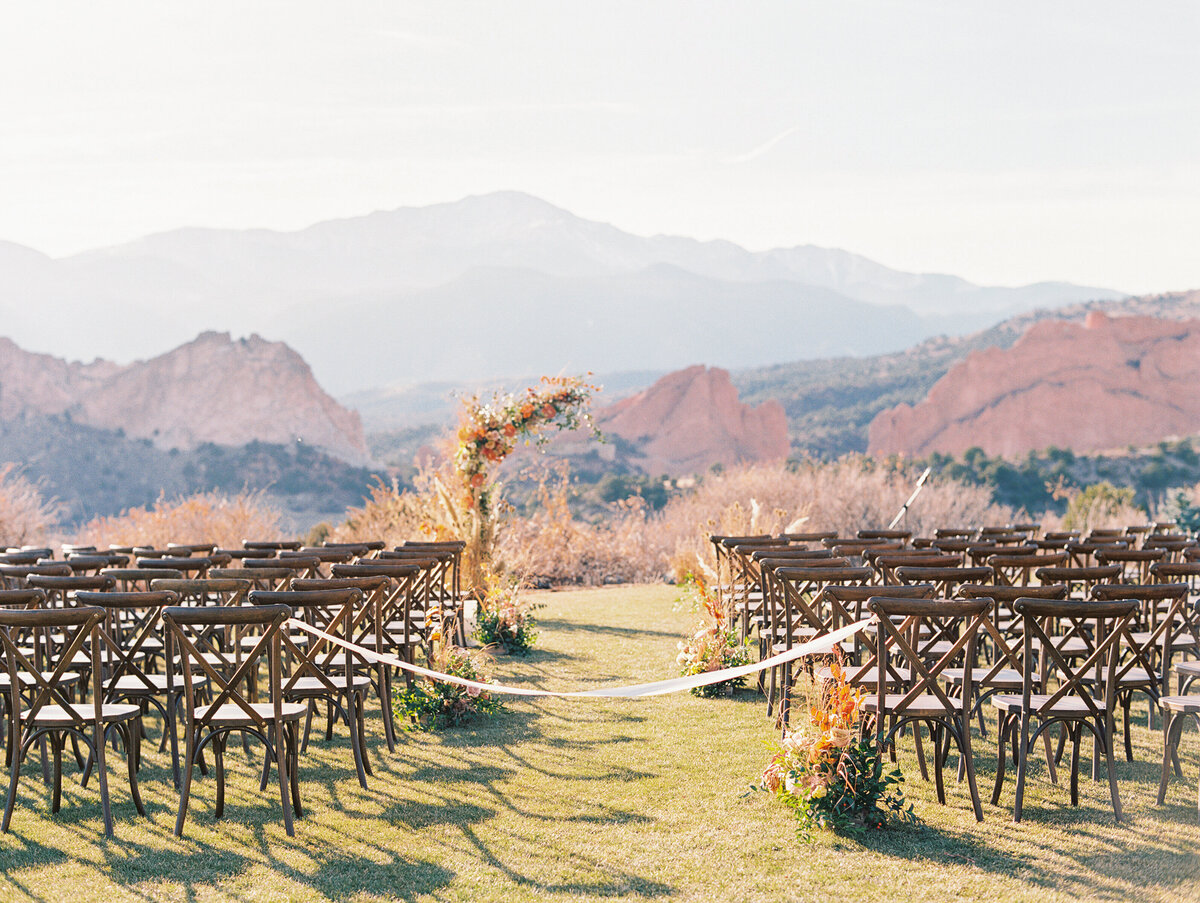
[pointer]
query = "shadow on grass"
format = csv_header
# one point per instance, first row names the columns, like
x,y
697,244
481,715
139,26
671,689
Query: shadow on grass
x,y
629,632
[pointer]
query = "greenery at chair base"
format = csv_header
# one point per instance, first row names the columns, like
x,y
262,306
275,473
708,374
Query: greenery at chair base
x,y
505,621
433,705
832,778
711,646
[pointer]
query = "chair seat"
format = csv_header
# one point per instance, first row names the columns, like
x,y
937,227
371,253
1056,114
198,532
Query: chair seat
x,y
1186,705
56,716
83,658
65,679
1004,679
1068,706
314,686
1142,637
233,715
131,683
1190,668
1068,648
927,704
867,680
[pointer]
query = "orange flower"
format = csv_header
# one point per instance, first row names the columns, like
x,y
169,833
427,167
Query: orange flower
x,y
510,430
548,410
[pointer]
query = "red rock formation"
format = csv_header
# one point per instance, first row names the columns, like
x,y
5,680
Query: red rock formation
x,y
1107,383
692,419
213,389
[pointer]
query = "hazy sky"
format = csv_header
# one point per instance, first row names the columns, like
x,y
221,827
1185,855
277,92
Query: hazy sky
x,y
1005,142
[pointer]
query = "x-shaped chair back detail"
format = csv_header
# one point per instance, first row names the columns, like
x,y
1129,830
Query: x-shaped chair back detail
x,y
190,630
33,692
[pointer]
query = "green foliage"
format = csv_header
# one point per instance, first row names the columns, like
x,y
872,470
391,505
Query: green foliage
x,y
434,705
1181,509
1045,480
516,637
1100,502
853,794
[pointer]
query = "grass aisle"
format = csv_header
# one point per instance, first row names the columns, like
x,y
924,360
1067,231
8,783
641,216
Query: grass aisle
x,y
580,799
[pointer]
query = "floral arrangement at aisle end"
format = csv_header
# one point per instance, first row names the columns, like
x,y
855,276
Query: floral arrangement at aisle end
x,y
505,620
712,646
487,434
432,705
830,775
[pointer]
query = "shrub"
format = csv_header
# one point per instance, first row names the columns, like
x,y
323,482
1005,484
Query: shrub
x,y
25,515
1102,505
712,646
831,777
204,517
431,705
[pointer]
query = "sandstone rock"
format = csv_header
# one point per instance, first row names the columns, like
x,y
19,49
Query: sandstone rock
x,y
1111,382
692,419
213,389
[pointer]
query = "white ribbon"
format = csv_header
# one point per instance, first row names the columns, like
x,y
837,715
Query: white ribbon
x,y
820,646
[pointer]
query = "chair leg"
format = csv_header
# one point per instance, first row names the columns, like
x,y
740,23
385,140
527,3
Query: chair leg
x,y
188,765
102,770
1107,743
355,736
294,772
935,737
964,747
281,763
219,762
56,744
1169,744
133,743
15,753
1022,753
1076,733
1003,730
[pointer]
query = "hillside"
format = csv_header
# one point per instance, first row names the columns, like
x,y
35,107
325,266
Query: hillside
x,y
93,471
1106,383
210,390
486,287
831,403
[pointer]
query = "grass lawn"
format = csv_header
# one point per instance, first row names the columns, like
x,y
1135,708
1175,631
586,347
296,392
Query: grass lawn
x,y
589,799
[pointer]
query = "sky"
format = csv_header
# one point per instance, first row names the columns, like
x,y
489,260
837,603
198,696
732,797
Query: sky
x,y
1003,142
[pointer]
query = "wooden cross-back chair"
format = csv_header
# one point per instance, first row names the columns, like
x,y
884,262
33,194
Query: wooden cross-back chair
x,y
282,571
1083,551
15,576
746,597
1135,563
273,722
885,564
40,708
909,681
1073,704
798,613
1078,580
945,580
323,671
399,621
274,545
442,601
1162,624
131,633
368,635
1018,570
189,567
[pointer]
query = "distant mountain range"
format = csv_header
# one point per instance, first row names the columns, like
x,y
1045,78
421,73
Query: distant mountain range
x,y
486,287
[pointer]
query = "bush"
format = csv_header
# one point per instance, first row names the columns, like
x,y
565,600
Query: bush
x,y
433,705
204,517
25,516
1102,505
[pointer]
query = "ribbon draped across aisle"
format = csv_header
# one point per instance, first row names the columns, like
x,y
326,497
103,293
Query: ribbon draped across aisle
x,y
819,646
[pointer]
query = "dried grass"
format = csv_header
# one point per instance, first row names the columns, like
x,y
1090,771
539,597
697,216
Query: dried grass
x,y
204,517
26,516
